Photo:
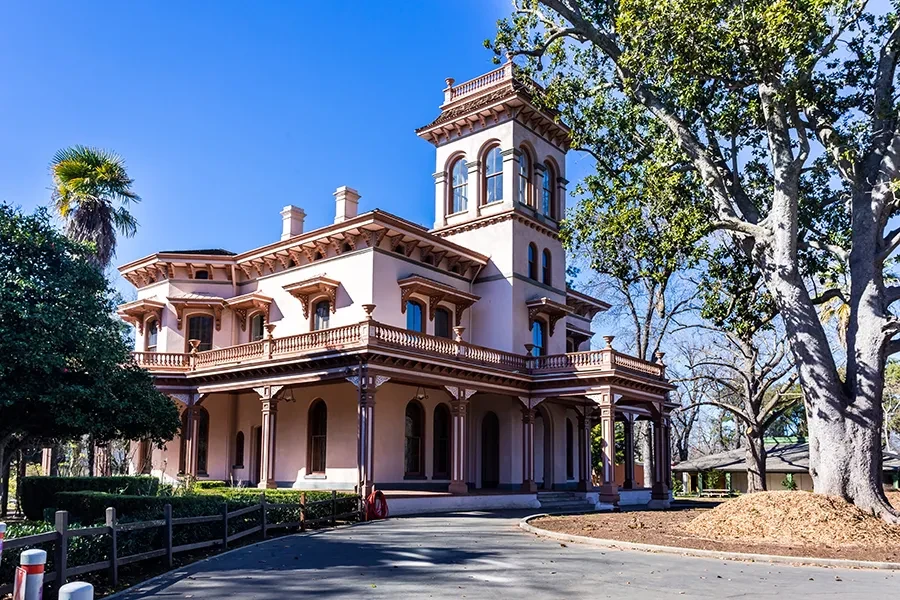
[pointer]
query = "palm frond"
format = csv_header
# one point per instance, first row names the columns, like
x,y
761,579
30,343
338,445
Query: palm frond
x,y
91,189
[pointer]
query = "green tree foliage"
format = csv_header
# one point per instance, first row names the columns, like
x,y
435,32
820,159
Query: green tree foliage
x,y
65,362
786,114
91,192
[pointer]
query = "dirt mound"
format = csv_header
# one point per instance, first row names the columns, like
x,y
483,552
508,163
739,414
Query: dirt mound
x,y
794,518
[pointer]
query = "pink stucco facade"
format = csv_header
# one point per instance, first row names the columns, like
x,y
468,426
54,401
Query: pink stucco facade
x,y
457,398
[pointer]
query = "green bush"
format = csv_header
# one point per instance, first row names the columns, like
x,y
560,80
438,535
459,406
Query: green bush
x,y
209,484
39,493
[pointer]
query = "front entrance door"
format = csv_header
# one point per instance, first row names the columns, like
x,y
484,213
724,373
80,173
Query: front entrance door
x,y
490,451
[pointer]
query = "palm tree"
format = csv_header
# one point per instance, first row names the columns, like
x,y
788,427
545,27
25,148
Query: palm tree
x,y
91,192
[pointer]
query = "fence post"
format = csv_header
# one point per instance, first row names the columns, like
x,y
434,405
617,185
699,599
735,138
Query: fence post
x,y
32,563
302,511
113,554
2,535
333,506
262,514
62,547
225,526
167,511
77,590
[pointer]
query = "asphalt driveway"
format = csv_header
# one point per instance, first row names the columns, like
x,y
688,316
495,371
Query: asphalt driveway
x,y
479,555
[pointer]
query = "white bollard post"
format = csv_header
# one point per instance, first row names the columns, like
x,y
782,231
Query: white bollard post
x,y
77,590
2,535
30,575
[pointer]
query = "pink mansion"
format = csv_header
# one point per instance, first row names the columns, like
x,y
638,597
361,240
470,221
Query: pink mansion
x,y
450,366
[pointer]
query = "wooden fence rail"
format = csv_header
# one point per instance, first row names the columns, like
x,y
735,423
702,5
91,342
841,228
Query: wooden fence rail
x,y
61,536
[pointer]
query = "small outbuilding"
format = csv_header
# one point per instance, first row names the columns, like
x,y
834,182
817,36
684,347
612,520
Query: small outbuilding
x,y
787,466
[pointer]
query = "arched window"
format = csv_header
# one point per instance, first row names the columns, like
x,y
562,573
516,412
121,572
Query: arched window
x,y
239,451
318,436
539,337
523,178
203,274
200,327
441,442
442,323
202,440
257,327
547,193
546,273
152,338
322,315
414,320
493,176
570,450
532,262
459,197
414,455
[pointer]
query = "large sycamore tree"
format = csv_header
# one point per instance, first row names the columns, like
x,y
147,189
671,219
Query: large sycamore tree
x,y
787,113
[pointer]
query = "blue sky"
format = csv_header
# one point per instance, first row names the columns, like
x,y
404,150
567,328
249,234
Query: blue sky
x,y
226,111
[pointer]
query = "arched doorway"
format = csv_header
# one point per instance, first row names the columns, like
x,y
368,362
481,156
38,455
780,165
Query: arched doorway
x,y
490,451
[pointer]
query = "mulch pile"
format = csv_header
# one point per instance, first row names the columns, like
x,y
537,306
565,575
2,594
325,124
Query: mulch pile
x,y
794,518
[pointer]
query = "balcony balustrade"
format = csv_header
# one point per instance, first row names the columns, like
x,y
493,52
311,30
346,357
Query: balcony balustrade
x,y
371,334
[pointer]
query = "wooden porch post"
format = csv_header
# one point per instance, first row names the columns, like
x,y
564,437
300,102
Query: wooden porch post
x,y
366,385
585,461
459,439
269,429
609,491
191,446
659,495
628,484
528,484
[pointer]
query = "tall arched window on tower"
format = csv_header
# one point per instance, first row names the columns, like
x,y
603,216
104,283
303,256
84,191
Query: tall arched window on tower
x,y
493,176
539,338
414,454
546,273
442,323
522,183
414,320
152,338
200,327
257,327
318,437
547,192
321,315
532,262
460,186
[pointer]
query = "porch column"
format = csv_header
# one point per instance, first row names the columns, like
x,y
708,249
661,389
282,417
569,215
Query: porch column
x,y
191,447
659,495
366,385
459,439
585,460
628,484
609,491
269,429
528,484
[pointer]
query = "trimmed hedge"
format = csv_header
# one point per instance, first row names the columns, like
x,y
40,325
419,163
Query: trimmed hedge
x,y
90,507
209,484
39,493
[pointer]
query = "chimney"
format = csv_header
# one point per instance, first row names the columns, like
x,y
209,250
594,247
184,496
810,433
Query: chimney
x,y
347,203
291,221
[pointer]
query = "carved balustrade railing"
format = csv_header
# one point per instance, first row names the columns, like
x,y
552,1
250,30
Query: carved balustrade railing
x,y
375,334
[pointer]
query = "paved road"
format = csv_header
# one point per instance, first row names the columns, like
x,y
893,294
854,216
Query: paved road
x,y
487,556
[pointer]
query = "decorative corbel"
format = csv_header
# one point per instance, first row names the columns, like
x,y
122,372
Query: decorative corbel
x,y
284,259
458,313
351,240
553,321
179,314
309,252
433,302
405,294
304,304
270,262
375,237
241,315
331,292
217,310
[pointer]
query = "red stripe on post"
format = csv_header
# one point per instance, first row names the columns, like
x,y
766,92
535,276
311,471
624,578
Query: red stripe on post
x,y
33,569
